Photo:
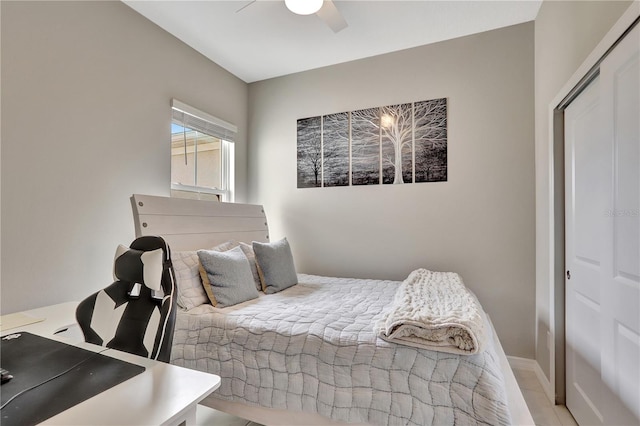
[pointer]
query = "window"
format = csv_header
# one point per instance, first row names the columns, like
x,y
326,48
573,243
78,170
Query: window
x,y
202,154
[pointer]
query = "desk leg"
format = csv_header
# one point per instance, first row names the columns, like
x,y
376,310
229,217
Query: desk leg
x,y
190,417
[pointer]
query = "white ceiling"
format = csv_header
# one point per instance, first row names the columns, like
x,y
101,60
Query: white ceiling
x,y
265,40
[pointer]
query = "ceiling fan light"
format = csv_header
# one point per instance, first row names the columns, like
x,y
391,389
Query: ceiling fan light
x,y
303,7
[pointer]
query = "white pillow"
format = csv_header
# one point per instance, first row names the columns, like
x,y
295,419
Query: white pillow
x,y
226,246
247,249
190,291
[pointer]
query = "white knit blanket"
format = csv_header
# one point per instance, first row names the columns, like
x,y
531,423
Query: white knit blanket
x,y
434,310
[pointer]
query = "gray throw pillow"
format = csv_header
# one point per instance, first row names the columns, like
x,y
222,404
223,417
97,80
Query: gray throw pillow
x,y
275,265
226,277
251,257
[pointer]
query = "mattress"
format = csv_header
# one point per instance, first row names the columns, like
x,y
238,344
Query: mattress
x,y
313,348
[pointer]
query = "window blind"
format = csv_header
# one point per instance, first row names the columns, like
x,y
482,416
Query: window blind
x,y
195,119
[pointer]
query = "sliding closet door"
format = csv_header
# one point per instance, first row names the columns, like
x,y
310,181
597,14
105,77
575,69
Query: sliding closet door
x,y
620,100
585,158
602,180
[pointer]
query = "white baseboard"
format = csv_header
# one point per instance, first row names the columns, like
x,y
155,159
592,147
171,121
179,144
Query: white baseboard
x,y
522,363
532,365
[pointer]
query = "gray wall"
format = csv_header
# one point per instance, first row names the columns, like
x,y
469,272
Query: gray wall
x,y
86,90
565,34
479,223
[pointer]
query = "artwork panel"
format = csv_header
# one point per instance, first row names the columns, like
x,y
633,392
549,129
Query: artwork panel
x,y
365,147
396,122
431,165
309,152
431,140
335,137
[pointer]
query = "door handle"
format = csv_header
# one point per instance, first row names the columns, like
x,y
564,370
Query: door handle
x,y
568,274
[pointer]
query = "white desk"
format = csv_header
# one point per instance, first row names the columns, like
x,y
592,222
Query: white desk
x,y
163,394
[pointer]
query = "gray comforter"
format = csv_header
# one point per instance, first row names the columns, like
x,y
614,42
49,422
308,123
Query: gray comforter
x,y
313,348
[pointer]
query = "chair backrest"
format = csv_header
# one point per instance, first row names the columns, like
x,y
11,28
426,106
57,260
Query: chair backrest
x,y
137,312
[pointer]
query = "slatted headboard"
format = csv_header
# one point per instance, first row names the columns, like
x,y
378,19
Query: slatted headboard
x,y
195,224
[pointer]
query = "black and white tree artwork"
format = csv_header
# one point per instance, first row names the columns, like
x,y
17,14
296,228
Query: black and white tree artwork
x,y
397,128
430,136
309,152
392,144
365,146
335,149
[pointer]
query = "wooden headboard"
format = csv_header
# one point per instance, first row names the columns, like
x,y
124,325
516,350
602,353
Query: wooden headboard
x,y
195,224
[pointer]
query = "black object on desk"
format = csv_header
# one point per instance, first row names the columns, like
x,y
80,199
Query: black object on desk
x,y
33,360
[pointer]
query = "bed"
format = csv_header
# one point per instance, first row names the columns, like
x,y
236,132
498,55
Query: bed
x,y
310,354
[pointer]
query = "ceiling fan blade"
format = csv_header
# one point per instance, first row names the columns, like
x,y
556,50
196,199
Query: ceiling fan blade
x,y
331,16
246,5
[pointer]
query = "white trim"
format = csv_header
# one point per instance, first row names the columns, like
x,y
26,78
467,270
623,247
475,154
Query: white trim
x,y
192,188
228,171
546,384
187,109
618,29
532,365
522,363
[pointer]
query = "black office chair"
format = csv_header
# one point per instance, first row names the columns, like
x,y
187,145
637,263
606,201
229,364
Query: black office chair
x,y
136,313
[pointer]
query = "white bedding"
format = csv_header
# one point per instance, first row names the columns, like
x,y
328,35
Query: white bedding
x,y
313,348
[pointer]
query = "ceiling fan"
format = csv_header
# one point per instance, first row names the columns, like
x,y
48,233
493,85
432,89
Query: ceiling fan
x,y
324,9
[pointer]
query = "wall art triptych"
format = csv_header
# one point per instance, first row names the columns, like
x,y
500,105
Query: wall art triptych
x,y
392,144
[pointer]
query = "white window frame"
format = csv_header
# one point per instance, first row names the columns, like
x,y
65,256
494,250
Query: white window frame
x,y
220,129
